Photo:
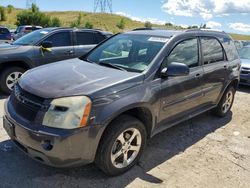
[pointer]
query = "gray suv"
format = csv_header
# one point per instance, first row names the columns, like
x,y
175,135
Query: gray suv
x,y
104,107
44,46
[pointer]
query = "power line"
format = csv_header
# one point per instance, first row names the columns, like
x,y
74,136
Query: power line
x,y
103,6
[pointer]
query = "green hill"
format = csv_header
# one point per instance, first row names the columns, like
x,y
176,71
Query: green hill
x,y
106,22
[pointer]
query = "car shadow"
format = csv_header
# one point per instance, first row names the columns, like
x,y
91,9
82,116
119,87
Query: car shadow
x,y
3,96
18,169
243,88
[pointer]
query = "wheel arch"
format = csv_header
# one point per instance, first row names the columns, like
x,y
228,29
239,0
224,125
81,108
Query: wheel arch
x,y
16,63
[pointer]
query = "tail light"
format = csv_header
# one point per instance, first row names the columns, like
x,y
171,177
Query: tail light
x,y
8,37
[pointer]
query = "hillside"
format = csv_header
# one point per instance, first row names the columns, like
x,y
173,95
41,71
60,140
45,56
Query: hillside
x,y
106,22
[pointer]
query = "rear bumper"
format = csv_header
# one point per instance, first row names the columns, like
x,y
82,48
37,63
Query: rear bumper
x,y
54,147
245,79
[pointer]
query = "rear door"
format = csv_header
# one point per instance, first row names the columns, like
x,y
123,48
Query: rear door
x,y
84,42
62,48
215,68
182,95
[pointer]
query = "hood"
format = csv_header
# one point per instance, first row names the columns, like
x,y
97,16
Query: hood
x,y
76,77
6,47
245,63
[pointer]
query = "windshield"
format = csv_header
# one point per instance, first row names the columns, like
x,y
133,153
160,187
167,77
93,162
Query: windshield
x,y
32,38
244,53
129,52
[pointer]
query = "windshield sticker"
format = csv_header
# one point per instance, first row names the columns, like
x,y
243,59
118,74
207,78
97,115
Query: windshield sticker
x,y
158,39
44,32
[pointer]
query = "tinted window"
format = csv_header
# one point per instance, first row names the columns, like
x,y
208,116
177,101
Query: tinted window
x,y
100,37
212,50
4,31
185,52
85,38
230,48
60,39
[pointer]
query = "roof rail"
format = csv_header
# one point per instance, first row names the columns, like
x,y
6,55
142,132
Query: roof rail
x,y
204,29
142,28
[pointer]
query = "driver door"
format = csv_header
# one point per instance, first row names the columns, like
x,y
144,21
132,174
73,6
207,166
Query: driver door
x,y
182,95
62,48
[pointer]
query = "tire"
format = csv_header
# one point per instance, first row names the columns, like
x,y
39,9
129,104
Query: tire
x,y
9,75
225,103
111,151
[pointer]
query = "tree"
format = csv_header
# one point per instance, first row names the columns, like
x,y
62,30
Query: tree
x,y
34,8
121,24
89,25
10,8
148,24
168,24
79,19
2,14
35,17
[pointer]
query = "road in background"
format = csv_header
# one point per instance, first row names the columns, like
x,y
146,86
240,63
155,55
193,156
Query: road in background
x,y
205,151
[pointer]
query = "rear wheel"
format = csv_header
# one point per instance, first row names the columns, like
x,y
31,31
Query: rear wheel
x,y
121,146
9,77
226,103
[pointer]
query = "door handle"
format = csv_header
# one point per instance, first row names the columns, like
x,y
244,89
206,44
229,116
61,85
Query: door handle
x,y
70,52
198,75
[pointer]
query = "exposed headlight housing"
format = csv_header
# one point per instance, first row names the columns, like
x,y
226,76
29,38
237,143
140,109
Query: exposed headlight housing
x,y
68,112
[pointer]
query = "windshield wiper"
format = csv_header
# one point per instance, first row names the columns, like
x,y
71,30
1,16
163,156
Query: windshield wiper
x,y
112,66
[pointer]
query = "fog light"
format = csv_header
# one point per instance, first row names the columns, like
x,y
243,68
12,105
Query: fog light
x,y
47,145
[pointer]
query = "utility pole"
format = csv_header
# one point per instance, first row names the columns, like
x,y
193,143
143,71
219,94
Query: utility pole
x,y
103,6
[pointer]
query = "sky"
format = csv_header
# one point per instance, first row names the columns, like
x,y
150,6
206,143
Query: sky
x,y
228,15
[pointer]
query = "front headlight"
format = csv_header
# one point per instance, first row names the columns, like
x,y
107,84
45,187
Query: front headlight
x,y
68,112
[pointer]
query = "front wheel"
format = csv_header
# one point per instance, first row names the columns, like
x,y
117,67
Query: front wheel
x,y
226,103
121,145
8,78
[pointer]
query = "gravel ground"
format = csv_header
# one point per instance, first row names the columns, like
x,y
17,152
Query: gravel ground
x,y
205,151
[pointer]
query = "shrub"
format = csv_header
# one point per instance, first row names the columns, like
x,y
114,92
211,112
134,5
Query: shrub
x,y
10,8
148,24
55,22
89,25
2,14
121,24
35,17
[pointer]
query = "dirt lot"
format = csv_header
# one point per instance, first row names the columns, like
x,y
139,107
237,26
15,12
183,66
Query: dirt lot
x,y
203,152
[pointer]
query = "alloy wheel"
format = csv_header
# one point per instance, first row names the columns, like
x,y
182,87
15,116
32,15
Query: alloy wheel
x,y
12,79
126,148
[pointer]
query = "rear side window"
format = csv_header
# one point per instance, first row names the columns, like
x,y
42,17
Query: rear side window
x,y
60,39
230,49
212,50
100,37
185,52
85,38
4,31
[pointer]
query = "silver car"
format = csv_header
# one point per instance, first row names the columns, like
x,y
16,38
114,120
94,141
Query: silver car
x,y
245,65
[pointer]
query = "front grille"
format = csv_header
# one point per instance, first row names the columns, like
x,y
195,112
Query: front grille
x,y
26,104
245,70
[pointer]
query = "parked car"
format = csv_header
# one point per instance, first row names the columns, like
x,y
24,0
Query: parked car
x,y
104,106
24,30
41,47
245,65
5,35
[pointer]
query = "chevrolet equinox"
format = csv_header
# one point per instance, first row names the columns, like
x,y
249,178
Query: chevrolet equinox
x,y
104,106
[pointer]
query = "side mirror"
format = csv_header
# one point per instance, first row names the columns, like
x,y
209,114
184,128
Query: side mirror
x,y
175,69
46,44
